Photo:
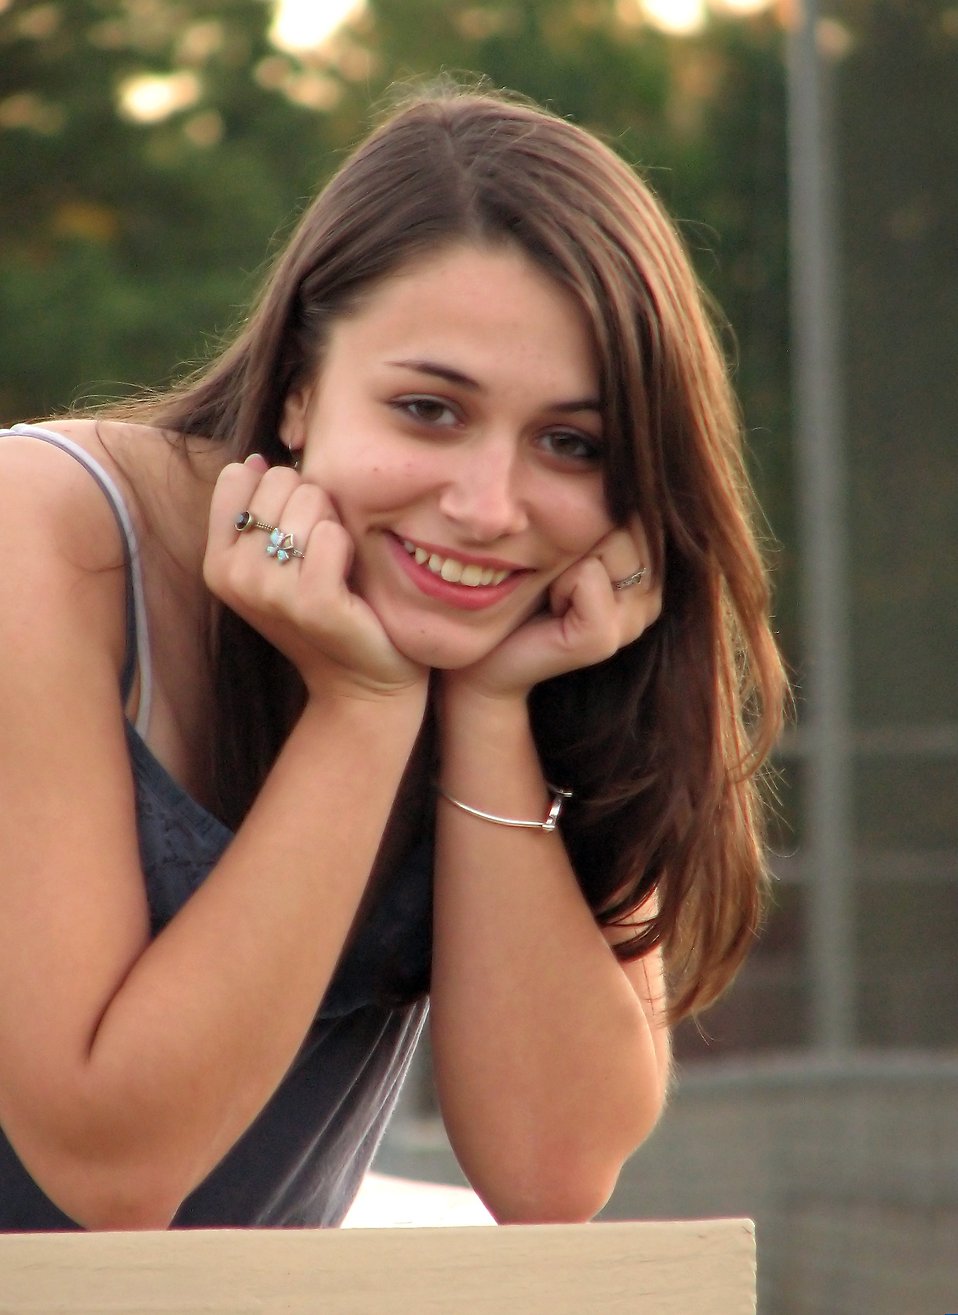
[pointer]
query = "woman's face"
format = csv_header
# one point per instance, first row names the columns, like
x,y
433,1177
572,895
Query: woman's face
x,y
456,424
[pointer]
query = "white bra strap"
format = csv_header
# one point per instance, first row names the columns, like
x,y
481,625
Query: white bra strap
x,y
140,637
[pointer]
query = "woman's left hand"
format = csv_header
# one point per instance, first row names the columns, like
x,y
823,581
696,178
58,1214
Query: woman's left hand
x,y
587,619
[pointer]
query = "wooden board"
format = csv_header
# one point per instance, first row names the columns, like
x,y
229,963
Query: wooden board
x,y
640,1268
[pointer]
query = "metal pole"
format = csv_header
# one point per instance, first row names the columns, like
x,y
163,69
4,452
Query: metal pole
x,y
822,520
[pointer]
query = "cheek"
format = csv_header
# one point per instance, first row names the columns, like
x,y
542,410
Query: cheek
x,y
382,485
392,480
367,486
579,522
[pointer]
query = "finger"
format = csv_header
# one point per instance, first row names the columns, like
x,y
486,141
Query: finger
x,y
290,526
587,619
278,517
328,560
567,589
624,552
269,498
248,502
233,493
596,619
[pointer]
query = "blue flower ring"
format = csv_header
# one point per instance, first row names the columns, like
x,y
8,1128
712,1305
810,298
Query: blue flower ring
x,y
282,546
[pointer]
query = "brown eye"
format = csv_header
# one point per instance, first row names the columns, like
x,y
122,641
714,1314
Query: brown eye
x,y
427,410
570,445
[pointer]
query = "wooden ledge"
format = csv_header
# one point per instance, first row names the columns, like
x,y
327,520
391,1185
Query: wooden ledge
x,y
640,1268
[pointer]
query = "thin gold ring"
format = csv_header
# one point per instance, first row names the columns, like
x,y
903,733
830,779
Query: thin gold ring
x,y
635,578
247,521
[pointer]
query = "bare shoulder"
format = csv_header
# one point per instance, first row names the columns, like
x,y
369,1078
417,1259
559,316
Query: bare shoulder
x,y
47,495
145,463
63,641
64,578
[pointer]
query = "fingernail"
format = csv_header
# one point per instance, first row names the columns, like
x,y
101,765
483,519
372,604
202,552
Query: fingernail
x,y
255,458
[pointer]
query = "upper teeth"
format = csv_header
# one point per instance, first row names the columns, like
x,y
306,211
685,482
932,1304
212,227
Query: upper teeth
x,y
456,572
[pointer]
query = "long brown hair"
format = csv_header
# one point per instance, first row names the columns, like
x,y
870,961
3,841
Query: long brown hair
x,y
663,742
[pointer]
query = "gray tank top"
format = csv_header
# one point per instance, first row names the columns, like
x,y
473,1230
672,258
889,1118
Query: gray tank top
x,y
301,1162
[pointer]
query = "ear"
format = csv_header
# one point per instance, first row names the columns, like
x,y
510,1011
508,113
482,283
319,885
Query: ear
x,y
292,425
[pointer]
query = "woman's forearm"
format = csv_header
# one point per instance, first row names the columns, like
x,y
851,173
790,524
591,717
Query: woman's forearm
x,y
209,1016
551,1057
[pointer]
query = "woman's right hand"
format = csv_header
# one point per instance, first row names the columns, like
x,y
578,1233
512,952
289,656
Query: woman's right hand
x,y
303,606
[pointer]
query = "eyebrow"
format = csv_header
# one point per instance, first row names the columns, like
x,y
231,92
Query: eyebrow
x,y
466,381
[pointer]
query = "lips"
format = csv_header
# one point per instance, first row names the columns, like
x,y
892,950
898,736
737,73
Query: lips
x,y
432,572
471,574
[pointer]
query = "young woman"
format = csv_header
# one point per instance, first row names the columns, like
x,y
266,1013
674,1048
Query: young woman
x,y
417,647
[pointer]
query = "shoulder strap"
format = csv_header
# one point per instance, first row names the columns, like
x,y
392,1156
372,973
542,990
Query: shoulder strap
x,y
137,637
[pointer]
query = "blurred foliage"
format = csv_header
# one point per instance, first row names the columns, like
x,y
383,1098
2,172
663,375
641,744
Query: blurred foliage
x,y
127,245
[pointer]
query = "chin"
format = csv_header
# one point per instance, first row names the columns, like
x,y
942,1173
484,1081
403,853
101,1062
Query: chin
x,y
437,651
437,656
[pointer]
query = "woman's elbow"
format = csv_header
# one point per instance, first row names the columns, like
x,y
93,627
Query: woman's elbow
x,y
108,1196
564,1197
562,1188
123,1210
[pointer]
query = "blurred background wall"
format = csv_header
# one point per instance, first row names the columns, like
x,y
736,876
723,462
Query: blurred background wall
x,y
153,151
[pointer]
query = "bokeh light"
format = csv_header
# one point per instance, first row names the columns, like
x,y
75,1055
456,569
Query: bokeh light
x,y
305,24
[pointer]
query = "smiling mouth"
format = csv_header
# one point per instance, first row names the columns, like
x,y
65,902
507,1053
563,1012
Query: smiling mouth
x,y
450,569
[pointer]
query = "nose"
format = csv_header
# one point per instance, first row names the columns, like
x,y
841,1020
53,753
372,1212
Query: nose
x,y
483,496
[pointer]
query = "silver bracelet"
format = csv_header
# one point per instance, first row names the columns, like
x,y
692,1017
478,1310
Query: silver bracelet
x,y
559,797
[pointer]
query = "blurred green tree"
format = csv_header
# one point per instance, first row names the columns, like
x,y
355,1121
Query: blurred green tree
x,y
135,214
145,167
